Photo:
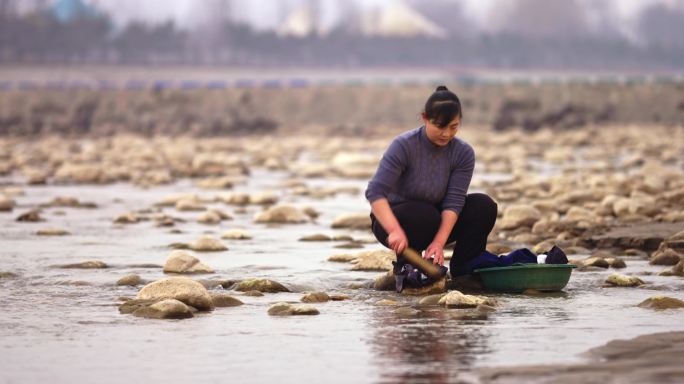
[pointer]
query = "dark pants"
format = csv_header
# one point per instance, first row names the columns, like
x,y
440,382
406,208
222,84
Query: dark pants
x,y
420,221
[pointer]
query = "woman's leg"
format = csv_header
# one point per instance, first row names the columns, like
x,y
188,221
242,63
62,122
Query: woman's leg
x,y
474,224
419,220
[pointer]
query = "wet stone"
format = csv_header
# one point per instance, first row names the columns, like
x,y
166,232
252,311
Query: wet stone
x,y
619,280
183,262
7,275
236,234
385,282
211,284
439,286
253,293
456,299
131,305
261,285
183,289
667,256
315,297
343,258
431,299
287,309
315,237
350,245
359,220
165,309
224,300
386,302
93,264
32,216
661,303
207,244
406,312
130,280
378,260
52,232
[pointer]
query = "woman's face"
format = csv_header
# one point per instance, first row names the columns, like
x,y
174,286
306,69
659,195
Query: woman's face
x,y
441,136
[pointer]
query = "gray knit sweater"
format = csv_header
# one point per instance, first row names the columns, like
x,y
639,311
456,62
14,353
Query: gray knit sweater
x,y
413,168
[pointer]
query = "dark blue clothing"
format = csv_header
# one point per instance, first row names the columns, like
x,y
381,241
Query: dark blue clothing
x,y
415,169
490,260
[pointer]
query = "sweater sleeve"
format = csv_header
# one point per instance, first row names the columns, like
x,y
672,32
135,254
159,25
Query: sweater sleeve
x,y
392,165
459,181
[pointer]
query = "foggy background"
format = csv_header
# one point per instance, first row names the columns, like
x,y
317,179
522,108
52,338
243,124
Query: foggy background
x,y
517,34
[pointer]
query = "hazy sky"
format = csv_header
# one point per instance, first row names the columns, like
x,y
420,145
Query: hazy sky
x,y
267,13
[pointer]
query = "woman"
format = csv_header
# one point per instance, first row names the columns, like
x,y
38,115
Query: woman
x,y
419,194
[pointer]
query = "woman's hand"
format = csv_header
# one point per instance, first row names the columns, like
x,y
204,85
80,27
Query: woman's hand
x,y
435,251
397,240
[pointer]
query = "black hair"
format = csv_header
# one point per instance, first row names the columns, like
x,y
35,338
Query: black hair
x,y
442,107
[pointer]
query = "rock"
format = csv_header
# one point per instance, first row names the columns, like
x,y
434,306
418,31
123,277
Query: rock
x,y
185,205
456,299
234,198
647,236
131,280
343,258
406,311
263,198
131,305
236,234
216,182
667,256
52,232
253,293
224,300
350,245
172,200
386,302
431,299
7,275
378,260
385,282
127,218
183,262
315,237
85,265
594,262
165,309
209,217
68,201
436,287
616,262
80,174
678,270
261,285
315,297
311,212
186,290
467,283
359,220
661,302
211,284
339,297
287,309
6,204
207,244
498,249
516,216
624,280
281,214
32,216
543,246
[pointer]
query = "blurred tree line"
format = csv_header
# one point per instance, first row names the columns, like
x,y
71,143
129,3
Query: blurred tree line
x,y
554,38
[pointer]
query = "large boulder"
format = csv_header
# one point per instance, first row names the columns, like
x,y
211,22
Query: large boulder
x,y
183,262
287,309
283,214
667,256
456,299
261,285
519,215
165,309
183,289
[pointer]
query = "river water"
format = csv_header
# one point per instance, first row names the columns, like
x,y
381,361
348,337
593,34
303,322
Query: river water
x,y
63,325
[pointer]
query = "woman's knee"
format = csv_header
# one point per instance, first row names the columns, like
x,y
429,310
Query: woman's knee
x,y
483,206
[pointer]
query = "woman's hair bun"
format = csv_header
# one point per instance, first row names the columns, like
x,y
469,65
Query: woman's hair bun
x,y
441,88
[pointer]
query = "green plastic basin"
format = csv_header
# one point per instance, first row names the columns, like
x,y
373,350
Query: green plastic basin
x,y
518,278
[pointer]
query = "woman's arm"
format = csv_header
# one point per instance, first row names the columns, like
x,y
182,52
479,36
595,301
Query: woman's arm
x,y
436,249
396,238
